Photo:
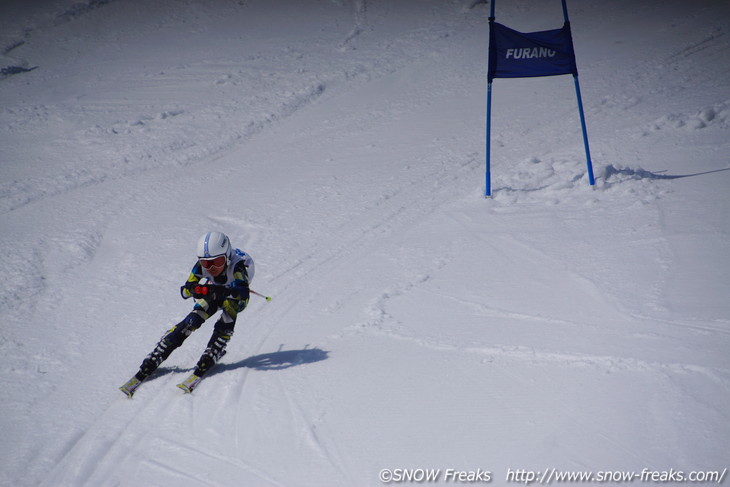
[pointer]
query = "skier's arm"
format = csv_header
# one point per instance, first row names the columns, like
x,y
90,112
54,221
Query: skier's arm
x,y
238,289
193,279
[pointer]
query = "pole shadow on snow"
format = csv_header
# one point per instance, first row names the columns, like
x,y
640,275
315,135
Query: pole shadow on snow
x,y
614,175
643,174
10,70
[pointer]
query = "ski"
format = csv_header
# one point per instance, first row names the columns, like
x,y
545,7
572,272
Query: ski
x,y
130,386
190,383
187,385
193,380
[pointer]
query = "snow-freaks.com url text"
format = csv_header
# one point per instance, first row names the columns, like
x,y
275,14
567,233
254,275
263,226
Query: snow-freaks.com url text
x,y
548,476
552,475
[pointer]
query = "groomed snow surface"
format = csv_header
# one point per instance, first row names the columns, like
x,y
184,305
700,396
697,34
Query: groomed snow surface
x,y
414,323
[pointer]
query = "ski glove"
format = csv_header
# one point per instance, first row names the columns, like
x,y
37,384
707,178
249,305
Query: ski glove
x,y
209,292
185,291
240,292
213,292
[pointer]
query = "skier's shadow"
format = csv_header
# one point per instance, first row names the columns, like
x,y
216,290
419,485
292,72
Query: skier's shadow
x,y
279,360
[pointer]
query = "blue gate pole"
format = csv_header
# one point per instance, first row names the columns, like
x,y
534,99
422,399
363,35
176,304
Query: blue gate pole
x,y
589,164
488,175
488,186
565,11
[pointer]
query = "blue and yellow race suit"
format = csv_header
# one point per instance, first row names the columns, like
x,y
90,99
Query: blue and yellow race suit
x,y
236,278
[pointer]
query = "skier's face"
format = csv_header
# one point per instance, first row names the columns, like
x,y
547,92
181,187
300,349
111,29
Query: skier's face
x,y
216,271
214,266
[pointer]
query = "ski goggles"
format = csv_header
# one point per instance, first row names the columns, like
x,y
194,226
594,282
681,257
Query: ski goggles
x,y
213,262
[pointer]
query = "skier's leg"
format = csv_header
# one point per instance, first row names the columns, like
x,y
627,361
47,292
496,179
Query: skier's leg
x,y
216,347
174,337
222,333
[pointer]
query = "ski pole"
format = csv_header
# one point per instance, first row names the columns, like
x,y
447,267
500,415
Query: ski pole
x,y
268,298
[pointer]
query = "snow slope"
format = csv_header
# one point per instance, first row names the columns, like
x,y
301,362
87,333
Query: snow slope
x,y
414,323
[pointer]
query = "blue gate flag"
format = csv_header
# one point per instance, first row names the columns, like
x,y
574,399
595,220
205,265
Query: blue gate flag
x,y
515,54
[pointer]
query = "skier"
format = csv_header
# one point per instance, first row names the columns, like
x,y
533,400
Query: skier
x,y
219,280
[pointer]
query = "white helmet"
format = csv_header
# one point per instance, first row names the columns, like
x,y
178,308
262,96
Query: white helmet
x,y
213,244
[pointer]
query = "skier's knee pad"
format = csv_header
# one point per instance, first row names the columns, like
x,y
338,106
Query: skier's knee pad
x,y
231,307
174,337
178,333
193,321
205,308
